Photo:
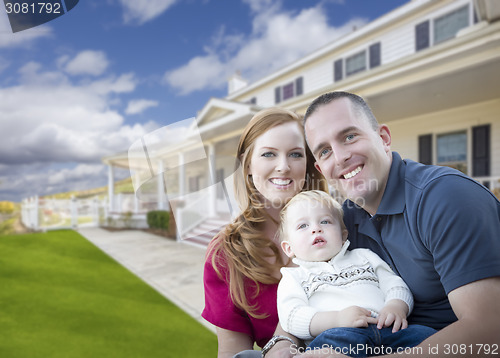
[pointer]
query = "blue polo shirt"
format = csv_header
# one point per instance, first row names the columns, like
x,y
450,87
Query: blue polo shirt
x,y
437,228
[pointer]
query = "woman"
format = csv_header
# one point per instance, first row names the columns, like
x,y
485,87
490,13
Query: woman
x,y
243,262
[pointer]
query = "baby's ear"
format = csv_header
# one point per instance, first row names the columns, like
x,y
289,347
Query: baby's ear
x,y
344,235
287,249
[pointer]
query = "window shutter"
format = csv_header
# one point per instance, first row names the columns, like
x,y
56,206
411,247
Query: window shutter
x,y
425,149
277,95
299,86
422,35
337,70
481,151
375,55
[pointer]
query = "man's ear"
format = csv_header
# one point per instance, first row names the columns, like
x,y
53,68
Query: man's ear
x,y
287,249
344,235
385,135
316,165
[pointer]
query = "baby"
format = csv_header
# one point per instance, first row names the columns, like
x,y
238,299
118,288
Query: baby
x,y
347,300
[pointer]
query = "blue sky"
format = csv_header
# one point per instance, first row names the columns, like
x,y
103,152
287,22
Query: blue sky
x,y
106,73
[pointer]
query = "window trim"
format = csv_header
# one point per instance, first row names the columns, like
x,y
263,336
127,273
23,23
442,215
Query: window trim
x,y
279,91
431,21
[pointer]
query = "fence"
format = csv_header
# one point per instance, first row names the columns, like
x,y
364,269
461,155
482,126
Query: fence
x,y
50,214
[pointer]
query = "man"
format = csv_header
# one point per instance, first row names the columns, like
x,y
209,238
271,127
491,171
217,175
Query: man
x,y
436,228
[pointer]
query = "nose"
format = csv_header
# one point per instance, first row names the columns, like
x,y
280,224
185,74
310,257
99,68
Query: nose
x,y
341,154
316,230
283,165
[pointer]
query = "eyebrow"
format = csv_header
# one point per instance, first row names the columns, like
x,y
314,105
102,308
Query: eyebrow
x,y
342,133
272,148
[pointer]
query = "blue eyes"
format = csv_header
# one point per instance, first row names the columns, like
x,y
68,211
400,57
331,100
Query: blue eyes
x,y
347,139
324,152
322,222
293,155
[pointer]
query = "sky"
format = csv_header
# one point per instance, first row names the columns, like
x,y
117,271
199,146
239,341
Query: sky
x,y
91,82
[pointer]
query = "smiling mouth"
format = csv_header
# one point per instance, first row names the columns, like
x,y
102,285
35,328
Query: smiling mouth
x,y
353,173
281,182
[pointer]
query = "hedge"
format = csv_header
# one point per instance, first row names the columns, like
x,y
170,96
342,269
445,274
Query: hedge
x,y
158,219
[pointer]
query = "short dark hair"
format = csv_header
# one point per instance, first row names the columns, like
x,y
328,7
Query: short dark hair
x,y
358,104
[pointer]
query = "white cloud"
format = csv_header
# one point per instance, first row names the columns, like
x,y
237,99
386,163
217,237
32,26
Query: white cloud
x,y
48,121
86,62
142,11
79,173
139,105
277,39
8,39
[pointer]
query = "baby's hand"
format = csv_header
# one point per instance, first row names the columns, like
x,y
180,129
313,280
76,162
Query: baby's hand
x,y
394,313
355,316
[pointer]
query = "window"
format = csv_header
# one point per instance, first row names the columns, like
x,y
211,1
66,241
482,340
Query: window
x,y
452,150
355,63
447,26
443,28
289,90
194,184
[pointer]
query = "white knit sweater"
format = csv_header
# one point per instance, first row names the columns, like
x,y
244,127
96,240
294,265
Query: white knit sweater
x,y
352,278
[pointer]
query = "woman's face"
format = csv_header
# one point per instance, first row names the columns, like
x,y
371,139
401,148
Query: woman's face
x,y
278,163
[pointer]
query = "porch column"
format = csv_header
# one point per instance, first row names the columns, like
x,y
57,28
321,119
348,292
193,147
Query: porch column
x,y
111,188
161,186
212,208
182,174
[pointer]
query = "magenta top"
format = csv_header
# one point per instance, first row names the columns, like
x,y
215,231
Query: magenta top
x,y
221,311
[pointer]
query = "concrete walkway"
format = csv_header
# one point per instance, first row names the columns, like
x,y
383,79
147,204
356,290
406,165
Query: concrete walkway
x,y
174,269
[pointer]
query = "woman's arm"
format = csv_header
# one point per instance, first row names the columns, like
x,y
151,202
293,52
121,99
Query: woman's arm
x,y
231,342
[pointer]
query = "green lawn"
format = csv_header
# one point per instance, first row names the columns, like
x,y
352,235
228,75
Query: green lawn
x,y
60,296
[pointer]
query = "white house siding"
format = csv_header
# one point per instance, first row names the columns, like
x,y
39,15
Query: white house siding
x,y
405,132
397,41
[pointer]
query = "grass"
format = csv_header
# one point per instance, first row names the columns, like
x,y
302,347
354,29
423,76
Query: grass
x,y
60,296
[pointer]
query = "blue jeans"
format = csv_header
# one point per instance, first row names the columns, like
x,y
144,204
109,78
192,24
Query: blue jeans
x,y
370,341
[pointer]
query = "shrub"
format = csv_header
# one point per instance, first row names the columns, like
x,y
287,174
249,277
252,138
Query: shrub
x,y
158,219
6,207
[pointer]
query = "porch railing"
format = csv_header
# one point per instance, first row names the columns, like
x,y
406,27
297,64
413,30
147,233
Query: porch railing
x,y
49,214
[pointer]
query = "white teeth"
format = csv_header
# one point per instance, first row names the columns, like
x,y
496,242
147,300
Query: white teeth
x,y
353,173
281,181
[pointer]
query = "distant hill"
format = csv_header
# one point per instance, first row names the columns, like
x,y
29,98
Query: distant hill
x,y
122,186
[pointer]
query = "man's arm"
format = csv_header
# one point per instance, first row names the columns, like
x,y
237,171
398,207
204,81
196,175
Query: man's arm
x,y
477,307
476,333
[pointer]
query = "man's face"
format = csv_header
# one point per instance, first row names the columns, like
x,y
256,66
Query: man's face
x,y
352,156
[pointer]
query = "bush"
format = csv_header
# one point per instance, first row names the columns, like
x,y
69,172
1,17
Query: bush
x,y
6,207
158,219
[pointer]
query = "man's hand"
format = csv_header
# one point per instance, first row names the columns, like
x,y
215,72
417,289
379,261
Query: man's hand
x,y
394,313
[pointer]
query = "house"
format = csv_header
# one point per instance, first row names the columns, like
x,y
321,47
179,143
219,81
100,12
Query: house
x,y
429,69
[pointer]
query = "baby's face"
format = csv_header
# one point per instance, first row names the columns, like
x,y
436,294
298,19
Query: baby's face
x,y
313,232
